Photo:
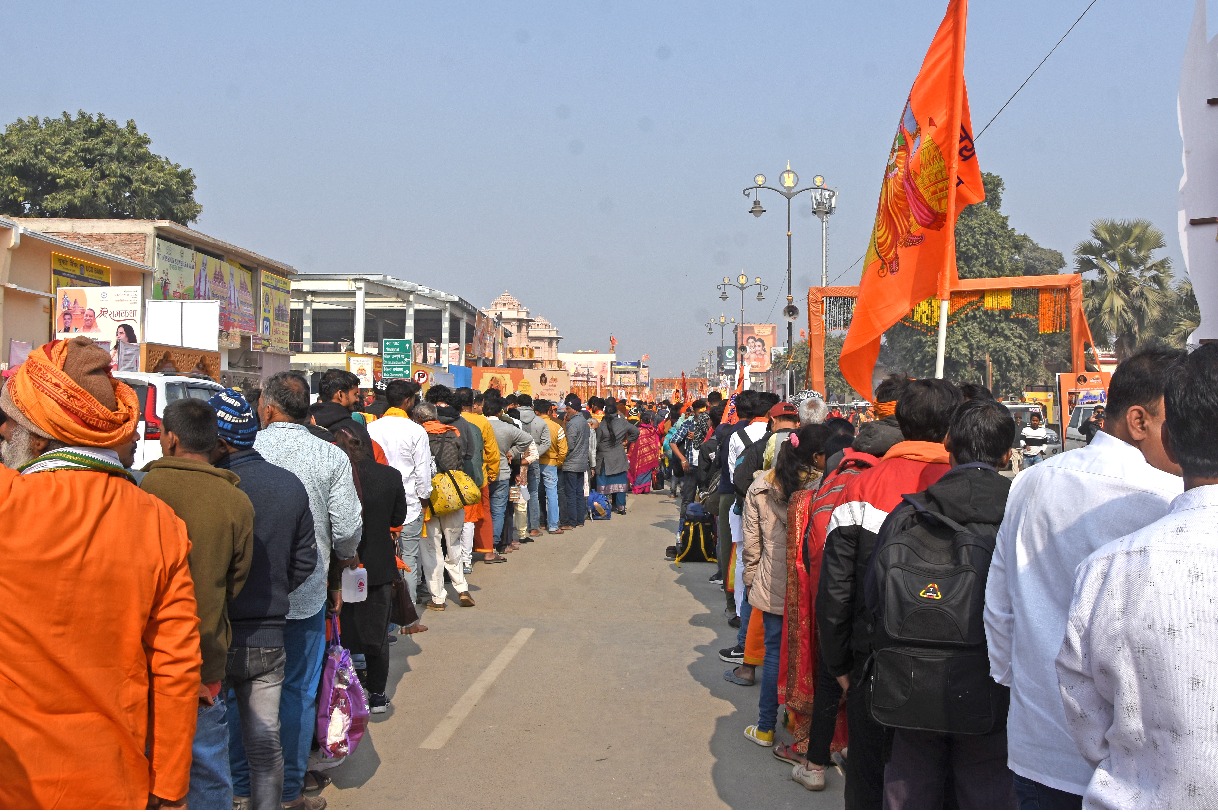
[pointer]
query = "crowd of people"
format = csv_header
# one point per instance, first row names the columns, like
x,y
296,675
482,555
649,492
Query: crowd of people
x,y
952,636
948,636
200,687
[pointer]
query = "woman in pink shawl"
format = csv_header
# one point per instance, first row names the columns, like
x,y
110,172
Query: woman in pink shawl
x,y
644,457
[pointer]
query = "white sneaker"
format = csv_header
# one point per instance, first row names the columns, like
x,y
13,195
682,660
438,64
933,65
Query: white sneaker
x,y
810,778
316,762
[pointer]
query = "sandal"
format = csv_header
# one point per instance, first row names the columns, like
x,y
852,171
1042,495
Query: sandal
x,y
497,559
417,628
787,753
315,781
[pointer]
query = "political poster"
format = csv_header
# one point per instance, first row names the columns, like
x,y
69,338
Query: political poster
x,y
108,315
71,272
275,312
174,274
551,384
758,340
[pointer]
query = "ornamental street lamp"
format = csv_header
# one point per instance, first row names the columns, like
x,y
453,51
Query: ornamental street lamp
x,y
742,284
824,203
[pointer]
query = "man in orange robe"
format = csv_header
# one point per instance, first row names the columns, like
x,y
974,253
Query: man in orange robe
x,y
99,651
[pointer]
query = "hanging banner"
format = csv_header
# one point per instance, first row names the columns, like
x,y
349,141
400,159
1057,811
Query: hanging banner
x,y
246,323
70,272
275,313
758,340
174,277
551,384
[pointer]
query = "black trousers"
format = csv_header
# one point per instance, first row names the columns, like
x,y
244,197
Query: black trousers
x,y
826,699
925,769
364,628
868,740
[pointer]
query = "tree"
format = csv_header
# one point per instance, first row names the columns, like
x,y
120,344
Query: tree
x,y
1131,292
90,166
1182,316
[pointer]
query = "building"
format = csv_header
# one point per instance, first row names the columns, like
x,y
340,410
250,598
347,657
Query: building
x,y
336,315
534,340
202,302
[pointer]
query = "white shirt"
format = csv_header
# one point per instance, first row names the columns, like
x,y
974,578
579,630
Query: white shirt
x,y
1139,666
1058,513
407,449
736,446
1032,440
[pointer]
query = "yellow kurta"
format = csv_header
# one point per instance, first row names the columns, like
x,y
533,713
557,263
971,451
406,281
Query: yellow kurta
x,y
99,648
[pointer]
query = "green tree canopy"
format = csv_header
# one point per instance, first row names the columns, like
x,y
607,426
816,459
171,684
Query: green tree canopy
x,y
90,166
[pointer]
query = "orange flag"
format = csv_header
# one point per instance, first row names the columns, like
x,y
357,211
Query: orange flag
x,y
932,173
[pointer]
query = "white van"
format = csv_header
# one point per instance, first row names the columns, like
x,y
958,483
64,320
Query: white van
x,y
155,391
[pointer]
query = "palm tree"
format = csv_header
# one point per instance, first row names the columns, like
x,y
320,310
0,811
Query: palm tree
x,y
1183,318
1131,290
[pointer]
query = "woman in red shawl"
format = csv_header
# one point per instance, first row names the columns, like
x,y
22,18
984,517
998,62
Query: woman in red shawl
x,y
644,457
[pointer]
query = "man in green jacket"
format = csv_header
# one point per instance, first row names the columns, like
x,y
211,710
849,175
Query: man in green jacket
x,y
219,520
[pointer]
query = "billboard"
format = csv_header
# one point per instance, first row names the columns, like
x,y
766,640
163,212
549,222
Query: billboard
x,y
275,312
68,272
174,277
551,384
108,315
758,340
727,359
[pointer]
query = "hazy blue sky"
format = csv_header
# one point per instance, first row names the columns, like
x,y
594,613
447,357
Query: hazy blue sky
x,y
590,156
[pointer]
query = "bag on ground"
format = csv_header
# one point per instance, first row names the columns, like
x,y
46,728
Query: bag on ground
x,y
698,537
598,506
342,711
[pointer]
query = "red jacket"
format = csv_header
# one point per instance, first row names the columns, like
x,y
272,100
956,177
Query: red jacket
x,y
850,539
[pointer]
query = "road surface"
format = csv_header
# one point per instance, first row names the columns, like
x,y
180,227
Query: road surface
x,y
586,677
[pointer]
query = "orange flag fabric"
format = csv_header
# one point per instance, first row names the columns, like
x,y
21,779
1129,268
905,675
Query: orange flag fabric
x,y
932,173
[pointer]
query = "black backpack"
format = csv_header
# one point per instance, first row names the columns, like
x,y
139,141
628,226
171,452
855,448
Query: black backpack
x,y
926,591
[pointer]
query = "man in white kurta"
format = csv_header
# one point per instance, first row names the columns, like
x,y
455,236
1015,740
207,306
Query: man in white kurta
x,y
1139,666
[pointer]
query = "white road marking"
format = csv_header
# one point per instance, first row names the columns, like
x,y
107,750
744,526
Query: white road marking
x,y
588,556
449,724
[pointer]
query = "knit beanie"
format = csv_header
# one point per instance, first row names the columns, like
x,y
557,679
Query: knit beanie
x,y
235,420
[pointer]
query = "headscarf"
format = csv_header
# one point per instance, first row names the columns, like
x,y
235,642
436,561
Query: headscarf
x,y
64,391
884,409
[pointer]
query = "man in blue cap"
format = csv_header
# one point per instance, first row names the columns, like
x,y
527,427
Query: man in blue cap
x,y
284,556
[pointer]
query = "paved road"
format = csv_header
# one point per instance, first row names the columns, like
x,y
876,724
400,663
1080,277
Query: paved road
x,y
586,677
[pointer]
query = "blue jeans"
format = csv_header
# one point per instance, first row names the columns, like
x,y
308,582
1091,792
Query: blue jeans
x,y
1033,795
534,502
304,643
255,677
408,551
549,480
500,490
767,703
211,783
574,502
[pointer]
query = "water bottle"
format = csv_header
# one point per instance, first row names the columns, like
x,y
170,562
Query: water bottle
x,y
355,585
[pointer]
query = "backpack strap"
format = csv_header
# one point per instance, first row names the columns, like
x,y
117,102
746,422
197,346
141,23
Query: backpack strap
x,y
939,517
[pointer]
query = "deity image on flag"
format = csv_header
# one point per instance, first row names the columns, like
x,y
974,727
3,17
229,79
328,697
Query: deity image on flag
x,y
913,195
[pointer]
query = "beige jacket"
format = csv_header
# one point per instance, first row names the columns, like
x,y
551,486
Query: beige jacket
x,y
765,545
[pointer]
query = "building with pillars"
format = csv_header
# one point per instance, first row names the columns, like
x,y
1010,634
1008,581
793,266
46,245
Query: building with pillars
x,y
534,340
336,314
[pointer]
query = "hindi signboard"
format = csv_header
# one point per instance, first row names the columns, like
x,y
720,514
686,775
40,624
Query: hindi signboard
x,y
397,354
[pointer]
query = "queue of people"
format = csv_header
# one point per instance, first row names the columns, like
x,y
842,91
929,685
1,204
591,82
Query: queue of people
x,y
952,638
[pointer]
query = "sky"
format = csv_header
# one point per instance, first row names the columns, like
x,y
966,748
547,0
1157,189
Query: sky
x,y
590,156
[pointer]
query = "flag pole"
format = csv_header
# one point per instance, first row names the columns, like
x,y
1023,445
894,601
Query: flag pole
x,y
947,271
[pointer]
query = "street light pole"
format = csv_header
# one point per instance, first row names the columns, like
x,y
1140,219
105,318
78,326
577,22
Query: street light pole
x,y
824,203
742,284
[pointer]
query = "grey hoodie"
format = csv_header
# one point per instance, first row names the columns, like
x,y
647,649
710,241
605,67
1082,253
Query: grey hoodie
x,y
536,427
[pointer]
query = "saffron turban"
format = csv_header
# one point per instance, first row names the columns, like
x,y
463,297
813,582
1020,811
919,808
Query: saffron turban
x,y
64,391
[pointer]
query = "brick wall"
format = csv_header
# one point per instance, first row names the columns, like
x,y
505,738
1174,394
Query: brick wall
x,y
131,246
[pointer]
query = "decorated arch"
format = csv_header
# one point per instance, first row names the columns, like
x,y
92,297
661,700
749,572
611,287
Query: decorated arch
x,y
1055,303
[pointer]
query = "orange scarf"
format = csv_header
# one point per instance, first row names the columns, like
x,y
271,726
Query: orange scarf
x,y
436,427
884,409
918,450
62,410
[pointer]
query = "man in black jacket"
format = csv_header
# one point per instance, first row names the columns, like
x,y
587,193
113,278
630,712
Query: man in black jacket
x,y
284,556
932,761
338,395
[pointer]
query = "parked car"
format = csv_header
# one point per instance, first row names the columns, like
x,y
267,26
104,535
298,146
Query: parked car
x,y
155,391
1080,415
